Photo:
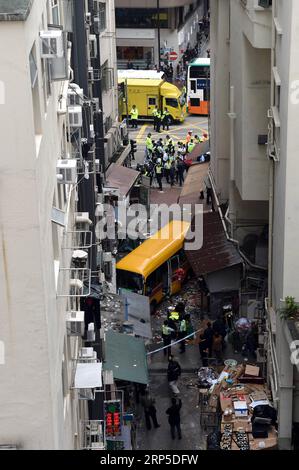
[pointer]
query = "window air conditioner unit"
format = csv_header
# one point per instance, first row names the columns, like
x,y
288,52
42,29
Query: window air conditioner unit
x,y
75,325
97,25
97,166
107,259
82,220
88,18
93,46
75,116
95,105
265,3
67,171
75,95
52,44
90,74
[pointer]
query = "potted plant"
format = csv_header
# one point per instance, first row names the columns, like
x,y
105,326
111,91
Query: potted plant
x,y
290,310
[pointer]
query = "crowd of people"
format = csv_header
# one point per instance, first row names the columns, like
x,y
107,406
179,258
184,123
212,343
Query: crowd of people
x,y
164,159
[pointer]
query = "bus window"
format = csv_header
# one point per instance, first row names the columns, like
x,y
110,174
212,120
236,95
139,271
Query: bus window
x,y
130,281
193,85
173,102
174,264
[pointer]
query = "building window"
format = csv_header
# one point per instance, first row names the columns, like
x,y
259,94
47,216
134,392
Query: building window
x,y
55,12
35,91
102,16
142,18
46,81
107,77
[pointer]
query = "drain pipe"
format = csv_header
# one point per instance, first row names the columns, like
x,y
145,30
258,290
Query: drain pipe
x,y
232,117
232,240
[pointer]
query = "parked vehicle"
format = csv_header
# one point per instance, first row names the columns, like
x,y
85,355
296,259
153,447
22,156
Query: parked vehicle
x,y
148,92
159,266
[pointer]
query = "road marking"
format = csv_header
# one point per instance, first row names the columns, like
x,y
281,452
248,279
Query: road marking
x,y
141,132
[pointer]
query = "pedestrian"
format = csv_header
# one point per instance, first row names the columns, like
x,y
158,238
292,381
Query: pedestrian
x,y
159,173
150,411
219,327
203,350
165,119
180,169
217,347
182,334
172,173
188,137
208,335
173,373
174,417
166,335
134,116
208,189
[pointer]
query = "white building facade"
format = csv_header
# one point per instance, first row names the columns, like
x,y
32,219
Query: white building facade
x,y
254,123
39,408
137,33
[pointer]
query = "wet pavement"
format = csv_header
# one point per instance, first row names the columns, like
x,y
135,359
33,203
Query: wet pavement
x,y
193,435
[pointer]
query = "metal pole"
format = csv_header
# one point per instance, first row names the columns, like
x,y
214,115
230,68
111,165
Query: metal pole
x,y
159,38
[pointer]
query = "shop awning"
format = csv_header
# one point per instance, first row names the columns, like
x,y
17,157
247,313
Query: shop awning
x,y
88,375
217,253
121,178
126,356
194,183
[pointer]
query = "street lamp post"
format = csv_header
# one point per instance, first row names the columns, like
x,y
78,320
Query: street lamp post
x,y
159,39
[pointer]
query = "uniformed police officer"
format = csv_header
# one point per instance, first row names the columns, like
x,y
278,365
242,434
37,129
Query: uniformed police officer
x,y
159,173
154,113
182,334
165,119
166,335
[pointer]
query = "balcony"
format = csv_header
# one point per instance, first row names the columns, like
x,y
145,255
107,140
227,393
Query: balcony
x,y
257,23
151,3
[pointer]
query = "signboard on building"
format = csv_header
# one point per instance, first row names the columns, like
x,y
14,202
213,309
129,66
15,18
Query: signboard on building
x,y
113,418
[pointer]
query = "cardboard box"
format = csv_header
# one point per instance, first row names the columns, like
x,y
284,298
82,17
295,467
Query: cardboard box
x,y
240,408
252,370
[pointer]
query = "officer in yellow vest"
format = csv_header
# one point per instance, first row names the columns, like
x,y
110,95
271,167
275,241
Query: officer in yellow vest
x,y
159,173
166,335
165,119
190,146
134,116
182,334
154,113
148,145
167,166
159,120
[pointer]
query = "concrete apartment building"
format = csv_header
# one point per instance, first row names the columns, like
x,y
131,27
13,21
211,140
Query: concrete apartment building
x,y
137,33
254,126
39,400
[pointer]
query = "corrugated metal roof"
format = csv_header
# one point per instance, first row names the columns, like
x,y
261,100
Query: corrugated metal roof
x,y
15,10
194,183
121,177
217,252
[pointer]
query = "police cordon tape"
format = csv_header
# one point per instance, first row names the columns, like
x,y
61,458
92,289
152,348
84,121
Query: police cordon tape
x,y
176,342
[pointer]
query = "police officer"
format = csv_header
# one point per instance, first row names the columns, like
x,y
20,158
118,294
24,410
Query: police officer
x,y
190,146
154,113
165,119
159,120
182,334
166,335
167,167
134,116
148,145
159,173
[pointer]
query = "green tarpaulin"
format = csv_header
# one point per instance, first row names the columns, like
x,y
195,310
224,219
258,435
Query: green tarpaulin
x,y
126,356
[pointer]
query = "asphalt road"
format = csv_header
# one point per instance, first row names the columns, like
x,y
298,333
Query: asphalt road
x,y
198,125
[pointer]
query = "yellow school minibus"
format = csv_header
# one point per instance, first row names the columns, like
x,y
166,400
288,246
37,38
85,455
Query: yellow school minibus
x,y
159,266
